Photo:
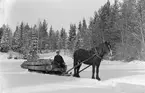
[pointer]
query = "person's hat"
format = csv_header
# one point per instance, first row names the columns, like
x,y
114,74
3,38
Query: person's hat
x,y
57,51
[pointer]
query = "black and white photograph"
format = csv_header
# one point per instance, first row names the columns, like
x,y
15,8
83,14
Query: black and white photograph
x,y
72,46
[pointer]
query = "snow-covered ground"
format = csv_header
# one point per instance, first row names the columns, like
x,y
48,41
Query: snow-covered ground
x,y
117,77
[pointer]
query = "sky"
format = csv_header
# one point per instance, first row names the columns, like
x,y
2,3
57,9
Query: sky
x,y
58,13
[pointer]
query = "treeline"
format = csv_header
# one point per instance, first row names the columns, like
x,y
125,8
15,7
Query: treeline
x,y
38,36
122,23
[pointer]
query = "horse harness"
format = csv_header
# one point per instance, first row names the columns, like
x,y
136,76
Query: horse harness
x,y
80,64
97,54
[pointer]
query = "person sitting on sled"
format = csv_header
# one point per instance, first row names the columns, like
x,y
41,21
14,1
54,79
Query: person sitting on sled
x,y
58,60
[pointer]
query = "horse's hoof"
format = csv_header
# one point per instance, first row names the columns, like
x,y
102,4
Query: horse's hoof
x,y
93,77
74,75
78,76
98,78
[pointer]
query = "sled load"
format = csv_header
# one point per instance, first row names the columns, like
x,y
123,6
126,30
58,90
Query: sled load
x,y
43,66
35,64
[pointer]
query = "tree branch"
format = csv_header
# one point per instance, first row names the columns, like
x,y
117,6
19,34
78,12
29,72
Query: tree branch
x,y
136,36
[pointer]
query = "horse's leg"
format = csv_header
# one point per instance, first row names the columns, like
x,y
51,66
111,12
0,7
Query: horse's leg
x,y
75,69
93,71
78,69
97,71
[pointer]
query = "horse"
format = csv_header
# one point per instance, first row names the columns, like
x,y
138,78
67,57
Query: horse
x,y
97,54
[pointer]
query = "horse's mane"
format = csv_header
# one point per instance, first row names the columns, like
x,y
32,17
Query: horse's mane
x,y
92,50
98,48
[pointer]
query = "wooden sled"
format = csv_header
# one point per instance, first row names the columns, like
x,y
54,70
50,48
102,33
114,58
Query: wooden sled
x,y
43,66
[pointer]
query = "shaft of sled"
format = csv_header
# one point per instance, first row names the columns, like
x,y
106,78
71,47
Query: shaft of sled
x,y
79,64
84,68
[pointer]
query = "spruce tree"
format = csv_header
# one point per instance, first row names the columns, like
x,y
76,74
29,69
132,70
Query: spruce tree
x,y
104,14
52,39
63,37
6,41
72,37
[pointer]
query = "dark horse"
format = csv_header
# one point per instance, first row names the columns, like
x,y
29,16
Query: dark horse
x,y
97,55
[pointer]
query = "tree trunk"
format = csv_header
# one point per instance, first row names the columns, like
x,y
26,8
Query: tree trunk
x,y
142,34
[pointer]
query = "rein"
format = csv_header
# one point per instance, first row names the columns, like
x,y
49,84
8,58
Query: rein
x,y
79,64
96,53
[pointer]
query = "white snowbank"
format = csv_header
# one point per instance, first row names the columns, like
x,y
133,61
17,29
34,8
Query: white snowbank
x,y
4,57
134,79
120,62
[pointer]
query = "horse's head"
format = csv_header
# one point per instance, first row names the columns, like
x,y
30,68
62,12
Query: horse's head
x,y
104,48
108,47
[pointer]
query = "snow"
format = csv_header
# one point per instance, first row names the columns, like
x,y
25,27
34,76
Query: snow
x,y
135,79
117,77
